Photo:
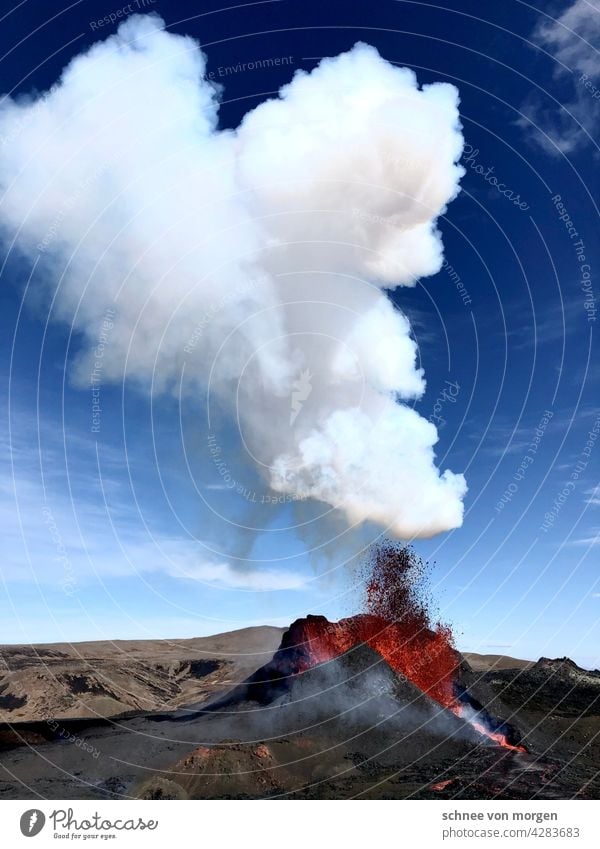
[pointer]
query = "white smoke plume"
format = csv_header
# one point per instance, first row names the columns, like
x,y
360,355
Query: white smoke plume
x,y
253,263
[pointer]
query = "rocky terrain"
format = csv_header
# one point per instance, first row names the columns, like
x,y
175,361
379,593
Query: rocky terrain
x,y
106,679
348,726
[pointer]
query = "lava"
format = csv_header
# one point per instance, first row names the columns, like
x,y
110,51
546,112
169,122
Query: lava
x,y
426,656
496,736
471,711
410,643
441,785
397,625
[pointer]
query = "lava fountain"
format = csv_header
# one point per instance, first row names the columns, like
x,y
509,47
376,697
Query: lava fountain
x,y
423,652
397,624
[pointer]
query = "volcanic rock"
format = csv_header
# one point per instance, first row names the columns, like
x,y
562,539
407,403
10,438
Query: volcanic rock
x,y
349,717
556,706
347,726
355,689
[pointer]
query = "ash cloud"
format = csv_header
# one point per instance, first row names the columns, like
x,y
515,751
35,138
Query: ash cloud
x,y
250,267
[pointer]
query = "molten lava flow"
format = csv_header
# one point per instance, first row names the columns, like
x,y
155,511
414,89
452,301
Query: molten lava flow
x,y
477,716
497,737
441,785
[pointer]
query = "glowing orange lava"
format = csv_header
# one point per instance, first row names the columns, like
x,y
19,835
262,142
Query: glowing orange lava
x,y
425,656
498,738
397,625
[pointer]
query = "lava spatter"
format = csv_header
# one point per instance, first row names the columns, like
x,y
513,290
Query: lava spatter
x,y
398,625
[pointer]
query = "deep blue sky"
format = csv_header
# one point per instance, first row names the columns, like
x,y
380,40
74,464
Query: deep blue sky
x,y
518,342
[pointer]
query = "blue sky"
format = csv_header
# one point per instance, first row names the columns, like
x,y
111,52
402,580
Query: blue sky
x,y
107,534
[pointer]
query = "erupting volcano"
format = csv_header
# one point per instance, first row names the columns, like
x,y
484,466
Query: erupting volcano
x,y
397,624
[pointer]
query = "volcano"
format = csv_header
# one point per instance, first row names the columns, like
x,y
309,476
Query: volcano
x,y
377,705
424,657
398,626
323,669
424,667
292,729
328,714
324,720
355,690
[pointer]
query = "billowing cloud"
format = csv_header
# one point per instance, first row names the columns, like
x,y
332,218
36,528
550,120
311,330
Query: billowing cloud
x,y
249,267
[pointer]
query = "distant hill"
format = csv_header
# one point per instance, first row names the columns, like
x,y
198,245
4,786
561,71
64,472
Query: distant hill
x,y
104,678
487,662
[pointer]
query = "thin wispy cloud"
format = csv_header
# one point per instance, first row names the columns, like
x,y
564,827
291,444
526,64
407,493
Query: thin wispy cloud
x,y
590,541
553,323
573,39
53,538
507,439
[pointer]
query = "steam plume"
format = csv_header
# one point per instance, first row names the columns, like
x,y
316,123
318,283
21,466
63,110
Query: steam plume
x,y
252,262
